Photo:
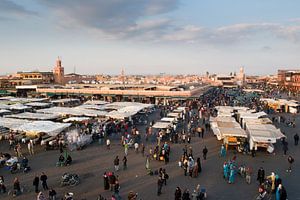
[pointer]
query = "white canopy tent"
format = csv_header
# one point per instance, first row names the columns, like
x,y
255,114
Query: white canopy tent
x,y
48,127
76,111
162,125
96,102
76,119
126,112
168,119
263,133
173,114
12,123
38,104
34,116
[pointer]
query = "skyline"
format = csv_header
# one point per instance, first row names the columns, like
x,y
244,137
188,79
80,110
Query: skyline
x,y
161,36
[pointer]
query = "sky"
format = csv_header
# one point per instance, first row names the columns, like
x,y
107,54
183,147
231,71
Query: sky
x,y
150,37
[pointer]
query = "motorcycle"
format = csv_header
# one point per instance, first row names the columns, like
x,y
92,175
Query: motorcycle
x,y
70,179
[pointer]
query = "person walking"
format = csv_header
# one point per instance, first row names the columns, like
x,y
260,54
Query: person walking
x,y
2,185
296,139
43,179
285,147
223,151
261,175
112,181
178,193
186,195
159,185
136,147
126,149
205,151
290,161
107,143
143,149
116,163
16,187
105,181
199,165
36,183
283,193
30,147
199,131
117,190
124,163
52,194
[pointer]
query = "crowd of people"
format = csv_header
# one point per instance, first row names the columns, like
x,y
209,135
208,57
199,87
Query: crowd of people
x,y
155,146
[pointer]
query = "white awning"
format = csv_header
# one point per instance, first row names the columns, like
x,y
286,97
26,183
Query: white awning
x,y
76,119
162,125
34,116
48,127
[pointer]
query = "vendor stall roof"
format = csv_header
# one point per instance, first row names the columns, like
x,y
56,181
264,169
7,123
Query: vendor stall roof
x,y
257,121
96,102
232,132
65,100
264,131
252,115
11,122
38,104
18,107
34,116
3,111
125,112
24,100
173,114
119,105
76,111
177,111
168,119
181,108
222,119
76,119
162,125
48,127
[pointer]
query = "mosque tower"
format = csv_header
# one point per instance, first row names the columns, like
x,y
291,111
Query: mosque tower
x,y
59,72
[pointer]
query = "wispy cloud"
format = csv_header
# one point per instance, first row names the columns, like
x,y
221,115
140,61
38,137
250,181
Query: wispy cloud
x,y
114,17
146,20
9,9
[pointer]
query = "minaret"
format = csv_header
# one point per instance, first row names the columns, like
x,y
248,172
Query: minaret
x,y
59,72
242,76
123,76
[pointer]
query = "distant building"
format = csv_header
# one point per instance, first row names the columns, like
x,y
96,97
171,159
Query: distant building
x,y
36,77
59,73
74,78
289,79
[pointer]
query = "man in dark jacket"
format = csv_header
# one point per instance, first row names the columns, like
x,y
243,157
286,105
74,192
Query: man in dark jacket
x,y
44,178
186,195
261,175
296,139
204,151
36,182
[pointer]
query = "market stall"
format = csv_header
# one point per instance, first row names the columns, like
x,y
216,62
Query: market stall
x,y
34,116
35,128
263,135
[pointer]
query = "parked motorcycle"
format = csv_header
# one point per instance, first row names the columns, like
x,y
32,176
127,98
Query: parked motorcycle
x,y
70,179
